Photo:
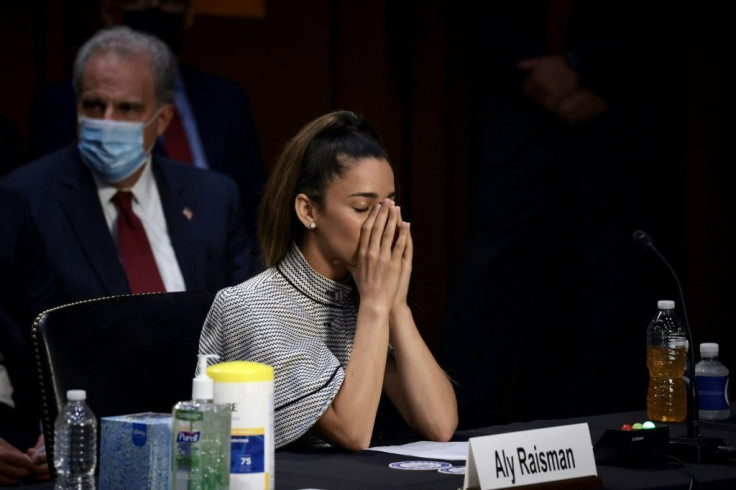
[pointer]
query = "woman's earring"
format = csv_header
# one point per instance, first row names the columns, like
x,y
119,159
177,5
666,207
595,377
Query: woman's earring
x,y
312,225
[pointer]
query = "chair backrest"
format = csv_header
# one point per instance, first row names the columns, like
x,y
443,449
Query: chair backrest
x,y
132,353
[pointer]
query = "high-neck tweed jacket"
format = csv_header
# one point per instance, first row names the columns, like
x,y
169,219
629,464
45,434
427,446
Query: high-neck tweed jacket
x,y
297,321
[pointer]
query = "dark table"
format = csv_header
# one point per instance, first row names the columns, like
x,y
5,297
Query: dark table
x,y
333,469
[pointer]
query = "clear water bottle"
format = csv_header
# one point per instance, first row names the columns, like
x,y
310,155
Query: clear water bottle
x,y
666,359
75,444
711,380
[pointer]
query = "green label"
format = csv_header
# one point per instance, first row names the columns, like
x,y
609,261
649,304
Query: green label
x,y
189,415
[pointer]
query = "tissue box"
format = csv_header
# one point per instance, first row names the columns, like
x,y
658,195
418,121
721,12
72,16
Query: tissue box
x,y
135,451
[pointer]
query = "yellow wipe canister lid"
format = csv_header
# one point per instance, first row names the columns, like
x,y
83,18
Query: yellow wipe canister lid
x,y
240,372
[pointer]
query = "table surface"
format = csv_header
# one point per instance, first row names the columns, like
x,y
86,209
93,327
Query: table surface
x,y
333,469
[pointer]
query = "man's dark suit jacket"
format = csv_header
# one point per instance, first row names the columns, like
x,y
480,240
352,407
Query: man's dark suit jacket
x,y
224,121
202,216
26,289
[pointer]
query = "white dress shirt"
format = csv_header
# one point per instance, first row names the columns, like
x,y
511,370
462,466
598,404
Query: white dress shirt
x,y
146,204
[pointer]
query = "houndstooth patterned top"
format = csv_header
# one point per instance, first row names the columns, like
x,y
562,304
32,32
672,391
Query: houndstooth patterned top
x,y
300,323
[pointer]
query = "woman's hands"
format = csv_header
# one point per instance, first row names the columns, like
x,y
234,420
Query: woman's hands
x,y
379,274
383,266
411,378
405,274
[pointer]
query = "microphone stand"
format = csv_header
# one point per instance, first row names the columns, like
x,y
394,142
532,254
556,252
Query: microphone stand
x,y
692,448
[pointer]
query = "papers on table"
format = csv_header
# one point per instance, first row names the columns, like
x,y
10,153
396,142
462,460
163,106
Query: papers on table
x,y
448,451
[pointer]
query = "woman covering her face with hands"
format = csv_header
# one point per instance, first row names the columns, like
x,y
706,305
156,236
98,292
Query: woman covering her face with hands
x,y
330,315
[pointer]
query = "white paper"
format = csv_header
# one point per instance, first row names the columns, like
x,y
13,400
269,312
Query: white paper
x,y
441,451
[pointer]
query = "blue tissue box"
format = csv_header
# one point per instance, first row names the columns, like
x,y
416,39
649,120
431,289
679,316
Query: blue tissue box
x,y
135,451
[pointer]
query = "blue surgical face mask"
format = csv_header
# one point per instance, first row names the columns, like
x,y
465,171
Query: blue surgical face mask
x,y
113,150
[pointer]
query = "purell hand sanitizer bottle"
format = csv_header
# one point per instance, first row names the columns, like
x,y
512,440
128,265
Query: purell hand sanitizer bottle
x,y
201,433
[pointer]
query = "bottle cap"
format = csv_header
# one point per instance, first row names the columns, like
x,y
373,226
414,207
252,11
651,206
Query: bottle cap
x,y
240,372
76,395
202,386
708,349
666,304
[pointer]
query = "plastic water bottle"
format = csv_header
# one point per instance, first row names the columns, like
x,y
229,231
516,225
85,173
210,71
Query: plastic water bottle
x,y
75,444
666,359
711,380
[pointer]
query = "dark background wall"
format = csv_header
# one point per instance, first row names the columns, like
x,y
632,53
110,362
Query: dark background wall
x,y
404,66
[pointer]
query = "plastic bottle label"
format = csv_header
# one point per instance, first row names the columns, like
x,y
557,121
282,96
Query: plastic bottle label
x,y
187,435
247,453
251,441
712,392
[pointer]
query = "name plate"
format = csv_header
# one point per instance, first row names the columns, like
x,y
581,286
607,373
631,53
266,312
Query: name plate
x,y
529,457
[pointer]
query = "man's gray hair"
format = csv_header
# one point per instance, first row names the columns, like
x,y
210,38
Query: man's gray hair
x,y
126,43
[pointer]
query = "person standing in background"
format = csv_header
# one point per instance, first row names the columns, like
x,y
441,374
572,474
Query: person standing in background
x,y
564,163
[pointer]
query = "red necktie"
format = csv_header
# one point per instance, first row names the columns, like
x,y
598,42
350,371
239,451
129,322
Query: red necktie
x,y
135,250
175,141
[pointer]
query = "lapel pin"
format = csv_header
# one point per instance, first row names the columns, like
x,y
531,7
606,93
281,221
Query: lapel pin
x,y
187,213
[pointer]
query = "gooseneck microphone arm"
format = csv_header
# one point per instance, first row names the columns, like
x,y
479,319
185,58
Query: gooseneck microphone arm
x,y
693,431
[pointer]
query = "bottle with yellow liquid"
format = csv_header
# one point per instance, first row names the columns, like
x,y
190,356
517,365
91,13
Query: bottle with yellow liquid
x,y
666,359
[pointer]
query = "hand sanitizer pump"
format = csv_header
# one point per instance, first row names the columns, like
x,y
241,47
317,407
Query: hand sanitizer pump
x,y
201,437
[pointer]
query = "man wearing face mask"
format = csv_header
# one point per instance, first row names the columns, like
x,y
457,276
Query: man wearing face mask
x,y
212,126
115,219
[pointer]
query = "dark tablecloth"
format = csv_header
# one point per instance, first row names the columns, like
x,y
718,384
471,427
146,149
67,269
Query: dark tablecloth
x,y
333,469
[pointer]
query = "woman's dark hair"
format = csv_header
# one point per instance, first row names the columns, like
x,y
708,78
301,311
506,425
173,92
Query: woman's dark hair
x,y
308,164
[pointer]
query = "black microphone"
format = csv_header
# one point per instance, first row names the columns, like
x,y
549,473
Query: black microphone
x,y
643,239
694,448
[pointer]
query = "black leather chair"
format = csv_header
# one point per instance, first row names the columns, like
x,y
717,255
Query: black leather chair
x,y
133,353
